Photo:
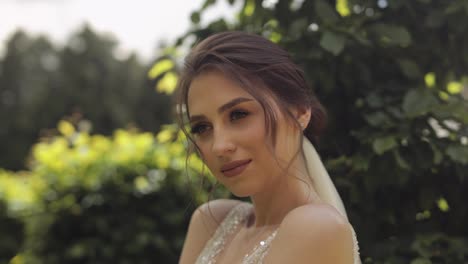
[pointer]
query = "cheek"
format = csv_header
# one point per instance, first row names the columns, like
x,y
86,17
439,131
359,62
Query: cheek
x,y
258,145
277,157
254,140
255,132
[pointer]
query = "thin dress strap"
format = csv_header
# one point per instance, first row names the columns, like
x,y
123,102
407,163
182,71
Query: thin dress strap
x,y
216,244
260,251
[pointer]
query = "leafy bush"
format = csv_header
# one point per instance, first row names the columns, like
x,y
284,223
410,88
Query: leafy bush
x,y
11,230
94,199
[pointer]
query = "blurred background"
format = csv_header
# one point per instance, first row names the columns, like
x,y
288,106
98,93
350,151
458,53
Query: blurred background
x,y
93,169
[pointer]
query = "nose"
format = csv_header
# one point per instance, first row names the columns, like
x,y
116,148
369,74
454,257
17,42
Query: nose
x,y
222,143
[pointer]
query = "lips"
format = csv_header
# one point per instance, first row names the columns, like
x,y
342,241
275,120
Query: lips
x,y
234,164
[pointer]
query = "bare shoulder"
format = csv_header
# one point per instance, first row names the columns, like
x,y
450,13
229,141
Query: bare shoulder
x,y
212,213
203,223
314,233
311,215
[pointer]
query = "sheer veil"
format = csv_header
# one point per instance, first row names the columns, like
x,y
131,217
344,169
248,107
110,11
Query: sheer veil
x,y
325,188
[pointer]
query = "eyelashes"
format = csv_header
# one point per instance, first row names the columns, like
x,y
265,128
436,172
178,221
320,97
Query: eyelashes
x,y
237,114
200,128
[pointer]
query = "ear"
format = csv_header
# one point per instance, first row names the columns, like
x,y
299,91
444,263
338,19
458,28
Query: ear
x,y
302,115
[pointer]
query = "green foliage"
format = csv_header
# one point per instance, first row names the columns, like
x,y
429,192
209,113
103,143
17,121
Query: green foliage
x,y
391,74
87,79
15,195
94,199
12,234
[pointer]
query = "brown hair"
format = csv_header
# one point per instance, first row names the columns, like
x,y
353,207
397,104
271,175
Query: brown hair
x,y
260,67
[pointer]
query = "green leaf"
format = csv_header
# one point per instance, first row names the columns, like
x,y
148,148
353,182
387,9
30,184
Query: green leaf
x,y
160,67
392,35
377,119
195,17
458,153
325,11
454,87
275,37
374,100
444,96
298,27
360,163
443,205
342,7
381,145
418,102
337,162
400,161
333,42
410,68
168,83
454,109
249,8
362,37
430,79
437,154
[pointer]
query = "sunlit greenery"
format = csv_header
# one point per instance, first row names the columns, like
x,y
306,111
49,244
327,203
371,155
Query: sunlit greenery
x,y
128,190
41,83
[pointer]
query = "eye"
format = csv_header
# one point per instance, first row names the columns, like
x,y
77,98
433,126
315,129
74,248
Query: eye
x,y
198,129
238,114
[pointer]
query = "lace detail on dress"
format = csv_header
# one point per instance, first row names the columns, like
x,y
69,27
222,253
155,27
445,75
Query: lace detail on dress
x,y
357,259
216,244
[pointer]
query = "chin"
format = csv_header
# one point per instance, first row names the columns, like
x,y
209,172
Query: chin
x,y
241,195
241,192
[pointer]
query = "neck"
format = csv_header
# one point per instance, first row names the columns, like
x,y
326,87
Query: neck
x,y
284,194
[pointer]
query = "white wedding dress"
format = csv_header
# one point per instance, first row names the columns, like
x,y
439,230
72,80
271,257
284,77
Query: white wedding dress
x,y
235,218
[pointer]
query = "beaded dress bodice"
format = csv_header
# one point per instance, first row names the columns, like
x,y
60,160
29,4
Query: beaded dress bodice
x,y
229,225
238,215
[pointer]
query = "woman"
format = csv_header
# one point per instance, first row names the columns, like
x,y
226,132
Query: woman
x,y
251,118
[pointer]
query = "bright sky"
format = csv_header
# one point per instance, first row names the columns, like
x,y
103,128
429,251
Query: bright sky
x,y
137,24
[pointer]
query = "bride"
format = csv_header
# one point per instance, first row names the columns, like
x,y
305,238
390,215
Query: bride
x,y
252,118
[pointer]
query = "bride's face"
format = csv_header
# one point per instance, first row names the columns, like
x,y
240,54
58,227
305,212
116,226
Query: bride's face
x,y
228,126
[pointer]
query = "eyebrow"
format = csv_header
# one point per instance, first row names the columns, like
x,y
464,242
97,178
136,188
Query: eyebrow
x,y
223,108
